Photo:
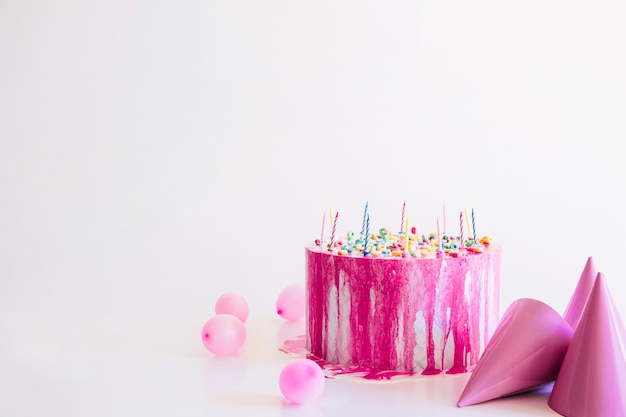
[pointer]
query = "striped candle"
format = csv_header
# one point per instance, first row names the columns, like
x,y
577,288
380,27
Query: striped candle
x,y
444,218
468,225
364,218
402,218
330,216
438,237
323,223
406,237
461,228
367,234
474,227
332,234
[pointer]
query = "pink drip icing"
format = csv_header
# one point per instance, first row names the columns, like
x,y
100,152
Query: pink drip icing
x,y
297,348
380,338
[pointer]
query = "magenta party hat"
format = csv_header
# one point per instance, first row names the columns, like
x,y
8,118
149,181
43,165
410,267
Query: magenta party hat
x,y
525,352
592,379
579,298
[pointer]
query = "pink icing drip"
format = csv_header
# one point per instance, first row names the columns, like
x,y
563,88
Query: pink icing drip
x,y
297,348
402,288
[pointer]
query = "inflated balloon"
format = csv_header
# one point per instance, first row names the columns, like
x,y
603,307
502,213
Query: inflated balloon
x,y
223,334
290,304
301,381
233,304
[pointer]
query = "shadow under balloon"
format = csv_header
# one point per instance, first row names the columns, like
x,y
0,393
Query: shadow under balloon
x,y
312,409
266,401
243,399
225,371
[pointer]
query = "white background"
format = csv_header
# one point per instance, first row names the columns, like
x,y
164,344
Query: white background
x,y
154,155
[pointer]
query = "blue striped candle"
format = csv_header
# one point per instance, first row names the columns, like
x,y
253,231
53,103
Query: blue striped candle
x,y
364,218
474,227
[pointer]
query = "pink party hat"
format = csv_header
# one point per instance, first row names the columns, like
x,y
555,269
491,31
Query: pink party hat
x,y
592,379
579,298
525,352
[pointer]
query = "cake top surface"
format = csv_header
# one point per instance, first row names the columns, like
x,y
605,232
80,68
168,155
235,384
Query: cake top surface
x,y
406,243
388,245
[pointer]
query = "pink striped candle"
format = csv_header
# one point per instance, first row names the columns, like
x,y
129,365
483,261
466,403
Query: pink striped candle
x,y
332,234
323,224
461,227
444,218
402,218
438,236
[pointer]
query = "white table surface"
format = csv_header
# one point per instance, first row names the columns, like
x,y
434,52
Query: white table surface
x,y
133,366
143,143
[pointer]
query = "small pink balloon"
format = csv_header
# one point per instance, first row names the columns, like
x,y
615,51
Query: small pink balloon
x,y
223,334
233,304
290,304
301,381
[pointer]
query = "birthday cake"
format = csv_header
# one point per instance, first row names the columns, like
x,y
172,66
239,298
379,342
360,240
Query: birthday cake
x,y
386,303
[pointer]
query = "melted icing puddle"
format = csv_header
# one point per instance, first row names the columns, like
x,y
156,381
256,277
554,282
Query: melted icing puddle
x,y
296,348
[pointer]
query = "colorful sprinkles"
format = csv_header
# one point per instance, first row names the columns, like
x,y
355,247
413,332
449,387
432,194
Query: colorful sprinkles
x,y
404,243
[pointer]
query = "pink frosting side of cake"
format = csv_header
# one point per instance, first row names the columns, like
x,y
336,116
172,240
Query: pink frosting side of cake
x,y
409,314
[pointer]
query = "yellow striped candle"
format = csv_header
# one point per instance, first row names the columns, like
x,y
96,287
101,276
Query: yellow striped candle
x,y
406,237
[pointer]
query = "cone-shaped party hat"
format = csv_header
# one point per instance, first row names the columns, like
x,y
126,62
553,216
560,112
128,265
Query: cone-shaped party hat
x,y
579,298
525,351
592,379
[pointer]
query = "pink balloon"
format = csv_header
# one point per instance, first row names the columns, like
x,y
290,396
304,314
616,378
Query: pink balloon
x,y
223,334
233,304
301,381
290,304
